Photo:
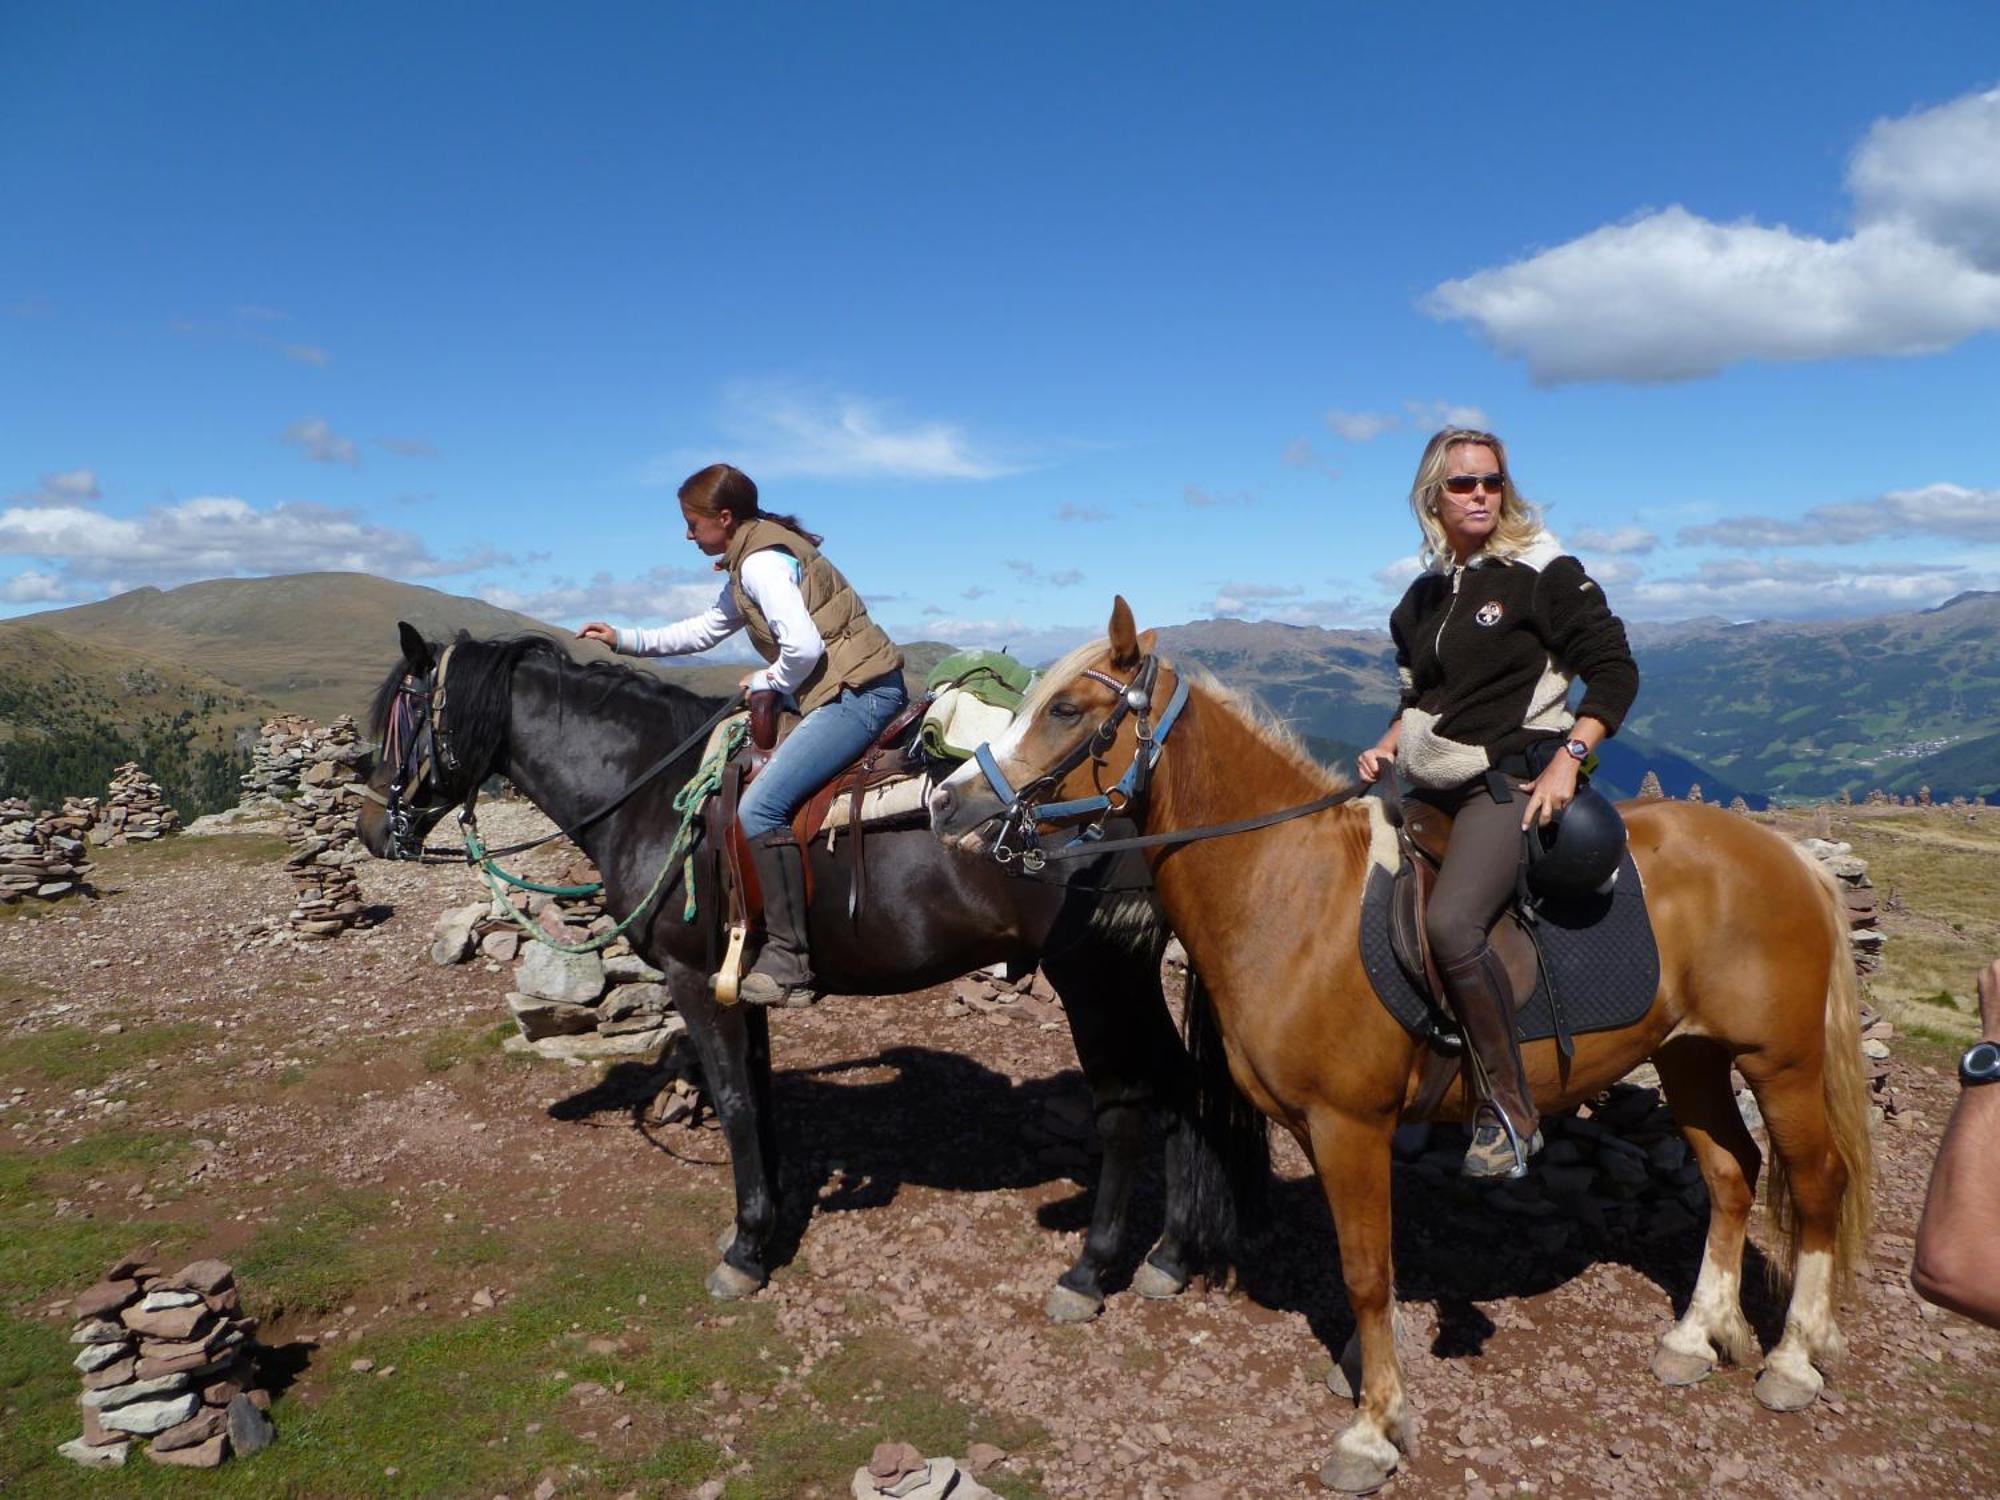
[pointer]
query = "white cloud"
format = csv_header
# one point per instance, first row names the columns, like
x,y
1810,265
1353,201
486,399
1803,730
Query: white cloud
x,y
1036,644
1203,499
1398,575
218,536
322,444
1670,295
70,487
1082,513
33,587
1435,416
658,596
1626,540
408,447
1360,426
1741,588
1946,510
784,433
308,354
1027,572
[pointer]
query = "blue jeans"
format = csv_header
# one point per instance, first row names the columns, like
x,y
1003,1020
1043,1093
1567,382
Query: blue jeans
x,y
827,741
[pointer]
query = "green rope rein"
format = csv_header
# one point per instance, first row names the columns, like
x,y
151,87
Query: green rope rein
x,y
701,786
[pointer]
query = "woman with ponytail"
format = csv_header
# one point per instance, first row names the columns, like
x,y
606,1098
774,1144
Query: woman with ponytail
x,y
823,651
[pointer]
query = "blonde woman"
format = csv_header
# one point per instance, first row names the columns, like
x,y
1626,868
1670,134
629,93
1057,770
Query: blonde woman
x,y
1488,640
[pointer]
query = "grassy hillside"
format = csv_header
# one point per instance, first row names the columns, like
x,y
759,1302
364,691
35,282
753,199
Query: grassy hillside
x,y
72,710
313,643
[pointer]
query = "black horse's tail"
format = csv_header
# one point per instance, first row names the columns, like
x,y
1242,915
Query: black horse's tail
x,y
1229,1170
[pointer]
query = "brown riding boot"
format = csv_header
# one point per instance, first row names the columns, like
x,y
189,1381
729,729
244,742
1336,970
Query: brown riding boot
x,y
782,974
1506,1127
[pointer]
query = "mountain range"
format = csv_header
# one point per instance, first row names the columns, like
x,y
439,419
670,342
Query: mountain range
x,y
179,678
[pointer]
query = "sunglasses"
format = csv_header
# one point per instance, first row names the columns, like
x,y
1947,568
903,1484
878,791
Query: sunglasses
x,y
1465,484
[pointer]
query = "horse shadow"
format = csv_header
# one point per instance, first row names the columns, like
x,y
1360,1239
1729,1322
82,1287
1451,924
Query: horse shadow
x,y
853,1133
1455,1248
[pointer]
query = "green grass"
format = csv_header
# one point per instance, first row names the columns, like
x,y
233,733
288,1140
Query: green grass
x,y
76,1057
42,1256
314,1257
229,848
474,1044
16,988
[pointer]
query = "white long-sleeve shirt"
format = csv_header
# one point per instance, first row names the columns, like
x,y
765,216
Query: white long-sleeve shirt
x,y
771,578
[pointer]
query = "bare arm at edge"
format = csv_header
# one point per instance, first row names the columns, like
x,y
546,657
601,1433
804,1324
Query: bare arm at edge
x,y
1957,1263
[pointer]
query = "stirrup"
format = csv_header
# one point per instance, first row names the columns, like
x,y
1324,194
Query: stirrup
x,y
1487,1163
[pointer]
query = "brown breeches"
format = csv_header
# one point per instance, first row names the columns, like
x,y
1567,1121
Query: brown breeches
x,y
1477,878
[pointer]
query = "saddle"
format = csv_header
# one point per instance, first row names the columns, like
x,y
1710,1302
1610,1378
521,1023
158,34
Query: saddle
x,y
1575,967
886,760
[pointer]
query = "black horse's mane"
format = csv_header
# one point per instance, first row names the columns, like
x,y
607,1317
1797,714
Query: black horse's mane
x,y
479,686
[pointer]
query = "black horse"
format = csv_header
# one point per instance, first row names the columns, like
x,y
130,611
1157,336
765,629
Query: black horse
x,y
572,736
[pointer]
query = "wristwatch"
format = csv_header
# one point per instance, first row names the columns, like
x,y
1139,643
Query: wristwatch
x,y
1578,750
1981,1064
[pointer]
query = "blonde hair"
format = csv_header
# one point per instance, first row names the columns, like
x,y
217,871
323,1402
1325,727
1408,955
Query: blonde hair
x,y
1519,525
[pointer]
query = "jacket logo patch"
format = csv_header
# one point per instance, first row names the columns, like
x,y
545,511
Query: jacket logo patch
x,y
1489,612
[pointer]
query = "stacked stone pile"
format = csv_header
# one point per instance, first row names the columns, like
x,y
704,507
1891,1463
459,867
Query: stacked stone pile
x,y
286,745
319,824
136,811
575,1007
1857,894
166,1360
1650,789
41,854
900,1470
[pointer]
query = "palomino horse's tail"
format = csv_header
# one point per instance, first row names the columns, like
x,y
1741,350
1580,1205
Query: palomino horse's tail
x,y
1846,1095
1232,1129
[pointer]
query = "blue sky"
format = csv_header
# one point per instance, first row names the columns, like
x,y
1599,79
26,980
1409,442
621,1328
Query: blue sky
x,y
1019,306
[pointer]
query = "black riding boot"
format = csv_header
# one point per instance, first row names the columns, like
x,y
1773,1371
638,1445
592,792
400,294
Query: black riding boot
x,y
782,974
1506,1127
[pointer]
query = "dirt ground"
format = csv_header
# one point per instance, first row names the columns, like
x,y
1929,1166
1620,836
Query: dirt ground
x,y
935,1214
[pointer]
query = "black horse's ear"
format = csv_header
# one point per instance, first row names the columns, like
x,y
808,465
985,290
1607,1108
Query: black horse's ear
x,y
416,650
1124,634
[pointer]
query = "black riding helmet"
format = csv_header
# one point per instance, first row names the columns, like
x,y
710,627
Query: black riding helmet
x,y
1577,852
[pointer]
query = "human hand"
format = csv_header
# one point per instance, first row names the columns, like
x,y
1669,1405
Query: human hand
x,y
1554,790
1989,1001
1373,761
752,680
597,630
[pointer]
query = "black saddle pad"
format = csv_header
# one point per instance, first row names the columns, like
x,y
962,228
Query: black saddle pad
x,y
1606,963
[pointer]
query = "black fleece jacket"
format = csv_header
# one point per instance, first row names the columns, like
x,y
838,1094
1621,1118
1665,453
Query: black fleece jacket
x,y
1486,653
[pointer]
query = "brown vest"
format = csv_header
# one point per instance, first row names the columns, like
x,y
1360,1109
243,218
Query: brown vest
x,y
857,649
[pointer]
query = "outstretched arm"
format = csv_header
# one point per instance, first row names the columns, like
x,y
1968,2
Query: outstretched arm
x,y
1958,1238
711,627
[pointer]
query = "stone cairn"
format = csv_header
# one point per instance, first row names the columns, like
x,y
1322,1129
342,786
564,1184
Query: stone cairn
x,y
901,1471
42,854
136,810
319,824
1865,937
286,745
609,1005
1650,789
167,1358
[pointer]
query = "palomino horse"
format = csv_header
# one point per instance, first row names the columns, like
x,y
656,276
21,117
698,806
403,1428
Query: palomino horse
x,y
1754,970
573,737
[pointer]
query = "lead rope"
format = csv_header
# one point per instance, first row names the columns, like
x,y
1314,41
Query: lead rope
x,y
680,856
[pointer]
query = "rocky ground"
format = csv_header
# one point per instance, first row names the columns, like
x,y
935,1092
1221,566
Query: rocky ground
x,y
938,1162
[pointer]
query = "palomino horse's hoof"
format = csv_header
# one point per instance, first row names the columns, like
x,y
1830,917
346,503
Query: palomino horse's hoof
x,y
1069,1306
1355,1473
1675,1368
1150,1282
1781,1392
727,1284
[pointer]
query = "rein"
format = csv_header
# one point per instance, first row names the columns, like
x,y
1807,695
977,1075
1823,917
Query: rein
x,y
1022,813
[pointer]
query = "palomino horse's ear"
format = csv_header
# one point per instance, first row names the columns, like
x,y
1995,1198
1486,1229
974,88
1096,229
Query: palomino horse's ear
x,y
1124,634
416,650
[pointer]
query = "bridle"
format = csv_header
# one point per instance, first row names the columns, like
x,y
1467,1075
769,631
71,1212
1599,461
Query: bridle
x,y
1019,837
416,745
